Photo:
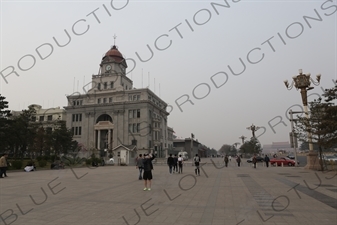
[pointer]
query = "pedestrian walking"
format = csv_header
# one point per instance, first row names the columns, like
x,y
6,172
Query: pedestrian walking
x,y
140,166
238,160
196,164
147,174
170,163
180,164
230,158
254,160
3,165
226,160
6,168
266,159
175,163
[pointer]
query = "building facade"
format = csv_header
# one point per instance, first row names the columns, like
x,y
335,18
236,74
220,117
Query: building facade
x,y
113,113
47,118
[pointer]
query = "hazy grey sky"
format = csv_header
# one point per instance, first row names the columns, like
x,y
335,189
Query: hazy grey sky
x,y
197,47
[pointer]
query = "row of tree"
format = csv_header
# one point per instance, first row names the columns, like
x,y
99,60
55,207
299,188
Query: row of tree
x,y
21,136
250,147
321,125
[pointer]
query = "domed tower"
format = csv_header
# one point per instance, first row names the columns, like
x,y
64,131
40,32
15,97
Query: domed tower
x,y
113,62
112,73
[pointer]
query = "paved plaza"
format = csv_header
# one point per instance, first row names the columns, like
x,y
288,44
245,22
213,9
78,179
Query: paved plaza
x,y
114,195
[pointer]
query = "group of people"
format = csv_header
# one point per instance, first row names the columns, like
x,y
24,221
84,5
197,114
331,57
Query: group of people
x,y
175,164
3,165
145,167
238,160
229,159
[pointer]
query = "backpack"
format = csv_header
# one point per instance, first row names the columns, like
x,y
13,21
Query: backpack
x,y
196,160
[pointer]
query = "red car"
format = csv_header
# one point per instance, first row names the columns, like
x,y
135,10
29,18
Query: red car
x,y
286,162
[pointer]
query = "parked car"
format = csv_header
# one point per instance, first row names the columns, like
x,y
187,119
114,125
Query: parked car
x,y
330,157
258,159
286,161
291,156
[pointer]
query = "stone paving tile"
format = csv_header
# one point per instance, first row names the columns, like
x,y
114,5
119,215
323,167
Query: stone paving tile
x,y
106,195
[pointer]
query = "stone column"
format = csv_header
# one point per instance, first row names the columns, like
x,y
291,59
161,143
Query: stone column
x,y
109,139
98,139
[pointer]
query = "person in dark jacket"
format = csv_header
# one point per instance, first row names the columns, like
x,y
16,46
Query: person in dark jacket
x,y
226,160
170,163
140,165
147,174
266,159
175,163
238,160
254,161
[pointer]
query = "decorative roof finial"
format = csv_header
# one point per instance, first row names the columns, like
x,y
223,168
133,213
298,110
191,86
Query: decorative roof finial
x,y
115,39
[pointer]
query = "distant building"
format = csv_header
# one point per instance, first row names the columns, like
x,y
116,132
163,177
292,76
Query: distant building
x,y
185,145
114,117
47,118
276,147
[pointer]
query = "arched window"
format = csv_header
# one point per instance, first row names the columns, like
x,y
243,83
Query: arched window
x,y
104,117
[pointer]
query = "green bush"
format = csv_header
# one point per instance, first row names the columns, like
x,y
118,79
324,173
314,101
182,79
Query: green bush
x,y
46,157
17,165
42,163
97,160
88,161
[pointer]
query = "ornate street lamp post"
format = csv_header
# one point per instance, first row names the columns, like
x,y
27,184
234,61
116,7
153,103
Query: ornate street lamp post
x,y
302,82
253,128
243,139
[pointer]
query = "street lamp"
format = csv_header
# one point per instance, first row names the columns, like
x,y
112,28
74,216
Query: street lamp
x,y
243,139
302,82
253,128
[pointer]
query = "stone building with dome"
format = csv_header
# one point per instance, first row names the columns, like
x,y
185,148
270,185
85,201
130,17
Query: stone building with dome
x,y
116,118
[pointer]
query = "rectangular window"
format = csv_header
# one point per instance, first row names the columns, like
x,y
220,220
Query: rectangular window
x,y
138,127
130,113
134,113
77,102
50,118
138,113
76,130
79,130
110,100
99,101
135,98
81,101
41,118
134,130
80,117
130,97
105,85
130,128
74,117
111,84
126,87
74,102
138,97
99,86
104,100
